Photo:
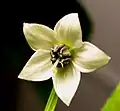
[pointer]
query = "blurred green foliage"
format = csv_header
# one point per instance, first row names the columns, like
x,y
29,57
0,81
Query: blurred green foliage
x,y
113,102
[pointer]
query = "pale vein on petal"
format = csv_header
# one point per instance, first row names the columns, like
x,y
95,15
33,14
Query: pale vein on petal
x,y
39,36
38,67
66,82
69,31
89,57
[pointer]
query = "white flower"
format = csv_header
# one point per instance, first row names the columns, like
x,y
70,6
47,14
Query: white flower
x,y
61,54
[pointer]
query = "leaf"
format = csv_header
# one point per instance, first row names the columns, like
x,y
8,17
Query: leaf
x,y
113,102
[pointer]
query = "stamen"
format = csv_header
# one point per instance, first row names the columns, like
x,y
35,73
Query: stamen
x,y
61,63
61,53
55,65
62,49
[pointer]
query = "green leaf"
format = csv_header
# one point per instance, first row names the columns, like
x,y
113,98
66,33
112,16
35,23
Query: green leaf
x,y
113,102
52,101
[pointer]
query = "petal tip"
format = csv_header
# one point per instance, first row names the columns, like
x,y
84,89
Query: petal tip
x,y
109,58
67,102
25,25
20,77
73,15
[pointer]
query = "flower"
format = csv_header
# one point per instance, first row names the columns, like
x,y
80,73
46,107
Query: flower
x,y
60,54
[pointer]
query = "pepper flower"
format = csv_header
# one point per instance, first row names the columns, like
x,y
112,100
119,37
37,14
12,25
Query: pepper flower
x,y
60,54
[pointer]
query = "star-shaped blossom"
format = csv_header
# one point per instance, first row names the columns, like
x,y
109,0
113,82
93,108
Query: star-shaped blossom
x,y
60,54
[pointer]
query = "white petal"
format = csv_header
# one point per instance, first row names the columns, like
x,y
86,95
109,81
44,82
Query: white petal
x,y
38,67
66,82
69,31
81,68
88,58
39,36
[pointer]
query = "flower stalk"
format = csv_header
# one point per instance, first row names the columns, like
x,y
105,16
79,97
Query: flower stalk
x,y
52,101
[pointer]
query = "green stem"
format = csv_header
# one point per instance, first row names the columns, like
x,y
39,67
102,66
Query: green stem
x,y
52,101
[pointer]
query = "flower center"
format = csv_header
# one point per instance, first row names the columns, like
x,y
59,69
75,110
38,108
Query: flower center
x,y
60,52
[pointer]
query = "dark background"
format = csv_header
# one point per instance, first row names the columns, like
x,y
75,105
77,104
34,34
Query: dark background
x,y
15,50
